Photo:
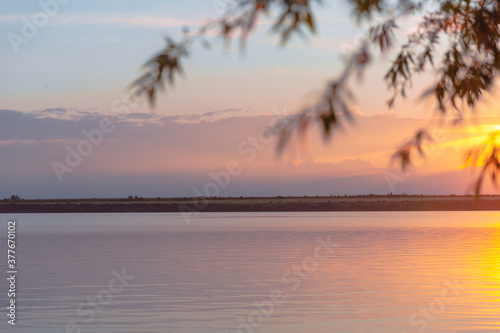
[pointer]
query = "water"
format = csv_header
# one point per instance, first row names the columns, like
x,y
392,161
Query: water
x,y
256,272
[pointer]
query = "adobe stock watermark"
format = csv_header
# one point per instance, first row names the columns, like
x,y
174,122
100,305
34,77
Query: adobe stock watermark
x,y
399,175
84,148
291,278
95,305
422,318
224,6
94,137
249,149
32,25
349,45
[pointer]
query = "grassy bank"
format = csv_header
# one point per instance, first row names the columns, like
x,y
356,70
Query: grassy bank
x,y
257,204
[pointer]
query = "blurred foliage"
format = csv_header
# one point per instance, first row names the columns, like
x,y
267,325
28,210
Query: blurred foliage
x,y
466,64
486,157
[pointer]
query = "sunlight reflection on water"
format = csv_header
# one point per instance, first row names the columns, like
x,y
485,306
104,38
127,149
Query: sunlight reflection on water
x,y
388,274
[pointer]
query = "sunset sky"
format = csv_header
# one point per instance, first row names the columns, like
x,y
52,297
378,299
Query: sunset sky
x,y
64,79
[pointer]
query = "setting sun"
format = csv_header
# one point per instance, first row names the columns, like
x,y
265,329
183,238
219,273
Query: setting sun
x,y
250,166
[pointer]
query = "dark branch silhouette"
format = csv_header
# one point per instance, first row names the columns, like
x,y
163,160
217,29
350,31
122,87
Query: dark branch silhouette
x,y
465,71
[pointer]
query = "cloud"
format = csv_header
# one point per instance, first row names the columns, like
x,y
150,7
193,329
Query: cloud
x,y
153,154
13,142
59,122
144,20
96,19
219,112
10,18
345,168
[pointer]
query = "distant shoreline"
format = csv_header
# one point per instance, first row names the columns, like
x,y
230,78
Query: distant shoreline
x,y
257,204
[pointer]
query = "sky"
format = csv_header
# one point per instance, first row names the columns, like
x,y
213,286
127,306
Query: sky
x,y
58,83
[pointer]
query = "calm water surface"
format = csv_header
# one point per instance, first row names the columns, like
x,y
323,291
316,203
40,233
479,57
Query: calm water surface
x,y
256,272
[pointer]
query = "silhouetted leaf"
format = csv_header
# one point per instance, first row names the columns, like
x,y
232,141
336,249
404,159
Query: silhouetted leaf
x,y
466,66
